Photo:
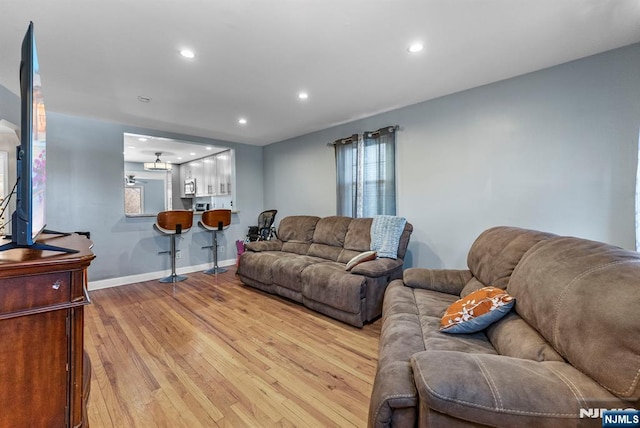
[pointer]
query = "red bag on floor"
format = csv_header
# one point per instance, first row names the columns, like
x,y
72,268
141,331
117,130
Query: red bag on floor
x,y
240,248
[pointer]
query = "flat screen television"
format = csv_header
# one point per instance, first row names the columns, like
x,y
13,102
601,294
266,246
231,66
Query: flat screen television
x,y
28,220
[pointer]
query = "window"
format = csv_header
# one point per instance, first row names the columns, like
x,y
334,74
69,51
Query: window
x,y
133,200
366,178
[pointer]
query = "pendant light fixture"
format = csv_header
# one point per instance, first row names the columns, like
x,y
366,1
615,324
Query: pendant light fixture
x,y
158,165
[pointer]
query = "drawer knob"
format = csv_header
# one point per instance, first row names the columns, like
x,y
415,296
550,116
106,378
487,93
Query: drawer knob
x,y
56,285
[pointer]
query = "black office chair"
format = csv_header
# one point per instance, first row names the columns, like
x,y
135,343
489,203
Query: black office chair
x,y
264,231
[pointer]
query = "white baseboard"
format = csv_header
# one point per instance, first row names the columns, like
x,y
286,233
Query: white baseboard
x,y
150,276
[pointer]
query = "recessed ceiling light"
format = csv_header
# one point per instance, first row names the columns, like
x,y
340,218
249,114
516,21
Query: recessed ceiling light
x,y
192,154
187,53
142,139
415,47
131,147
209,148
303,95
242,121
179,157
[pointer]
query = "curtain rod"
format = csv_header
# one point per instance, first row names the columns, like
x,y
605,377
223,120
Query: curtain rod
x,y
346,140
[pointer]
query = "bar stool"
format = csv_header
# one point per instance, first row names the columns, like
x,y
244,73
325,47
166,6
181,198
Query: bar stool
x,y
172,223
215,221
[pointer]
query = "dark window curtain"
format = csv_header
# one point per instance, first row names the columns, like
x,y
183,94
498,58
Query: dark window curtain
x,y
365,171
379,173
346,175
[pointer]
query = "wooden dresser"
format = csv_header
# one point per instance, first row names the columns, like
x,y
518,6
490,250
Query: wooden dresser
x,y
42,363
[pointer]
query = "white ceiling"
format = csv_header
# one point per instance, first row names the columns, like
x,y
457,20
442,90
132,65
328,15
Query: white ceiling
x,y
254,56
143,148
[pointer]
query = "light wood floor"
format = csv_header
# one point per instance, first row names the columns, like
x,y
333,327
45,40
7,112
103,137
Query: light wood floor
x,y
212,352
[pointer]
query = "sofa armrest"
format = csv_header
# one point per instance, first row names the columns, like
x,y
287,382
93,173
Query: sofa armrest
x,y
394,397
497,390
378,267
444,280
257,246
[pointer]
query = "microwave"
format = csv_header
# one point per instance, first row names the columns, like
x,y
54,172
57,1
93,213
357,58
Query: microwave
x,y
190,186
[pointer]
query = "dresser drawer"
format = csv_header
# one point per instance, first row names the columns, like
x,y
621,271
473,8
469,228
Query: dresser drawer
x,y
29,292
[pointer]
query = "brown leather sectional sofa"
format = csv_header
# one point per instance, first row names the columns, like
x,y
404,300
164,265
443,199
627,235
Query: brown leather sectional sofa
x,y
307,264
569,347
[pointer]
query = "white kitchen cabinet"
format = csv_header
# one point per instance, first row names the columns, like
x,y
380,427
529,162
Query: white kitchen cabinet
x,y
223,173
208,173
197,170
213,175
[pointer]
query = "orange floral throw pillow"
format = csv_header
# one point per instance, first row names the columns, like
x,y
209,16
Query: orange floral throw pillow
x,y
476,311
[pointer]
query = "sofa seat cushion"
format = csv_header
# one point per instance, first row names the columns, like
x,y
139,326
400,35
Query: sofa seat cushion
x,y
324,251
431,306
401,331
330,284
287,271
258,266
497,390
513,337
431,303
477,311
412,317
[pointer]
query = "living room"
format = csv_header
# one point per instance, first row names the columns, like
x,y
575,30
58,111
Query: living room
x,y
553,149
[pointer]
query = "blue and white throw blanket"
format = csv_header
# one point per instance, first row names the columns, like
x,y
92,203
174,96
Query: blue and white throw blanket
x,y
385,235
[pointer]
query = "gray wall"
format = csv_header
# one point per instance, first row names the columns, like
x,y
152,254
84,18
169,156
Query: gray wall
x,y
85,193
9,106
84,189
554,150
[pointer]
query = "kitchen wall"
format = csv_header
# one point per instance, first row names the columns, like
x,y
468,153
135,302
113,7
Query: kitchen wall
x,y
554,150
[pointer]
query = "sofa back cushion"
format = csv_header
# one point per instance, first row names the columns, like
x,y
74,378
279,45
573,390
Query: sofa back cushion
x,y
497,251
583,297
296,233
331,230
358,237
329,236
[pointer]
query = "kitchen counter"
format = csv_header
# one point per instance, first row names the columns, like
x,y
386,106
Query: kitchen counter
x,y
195,213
